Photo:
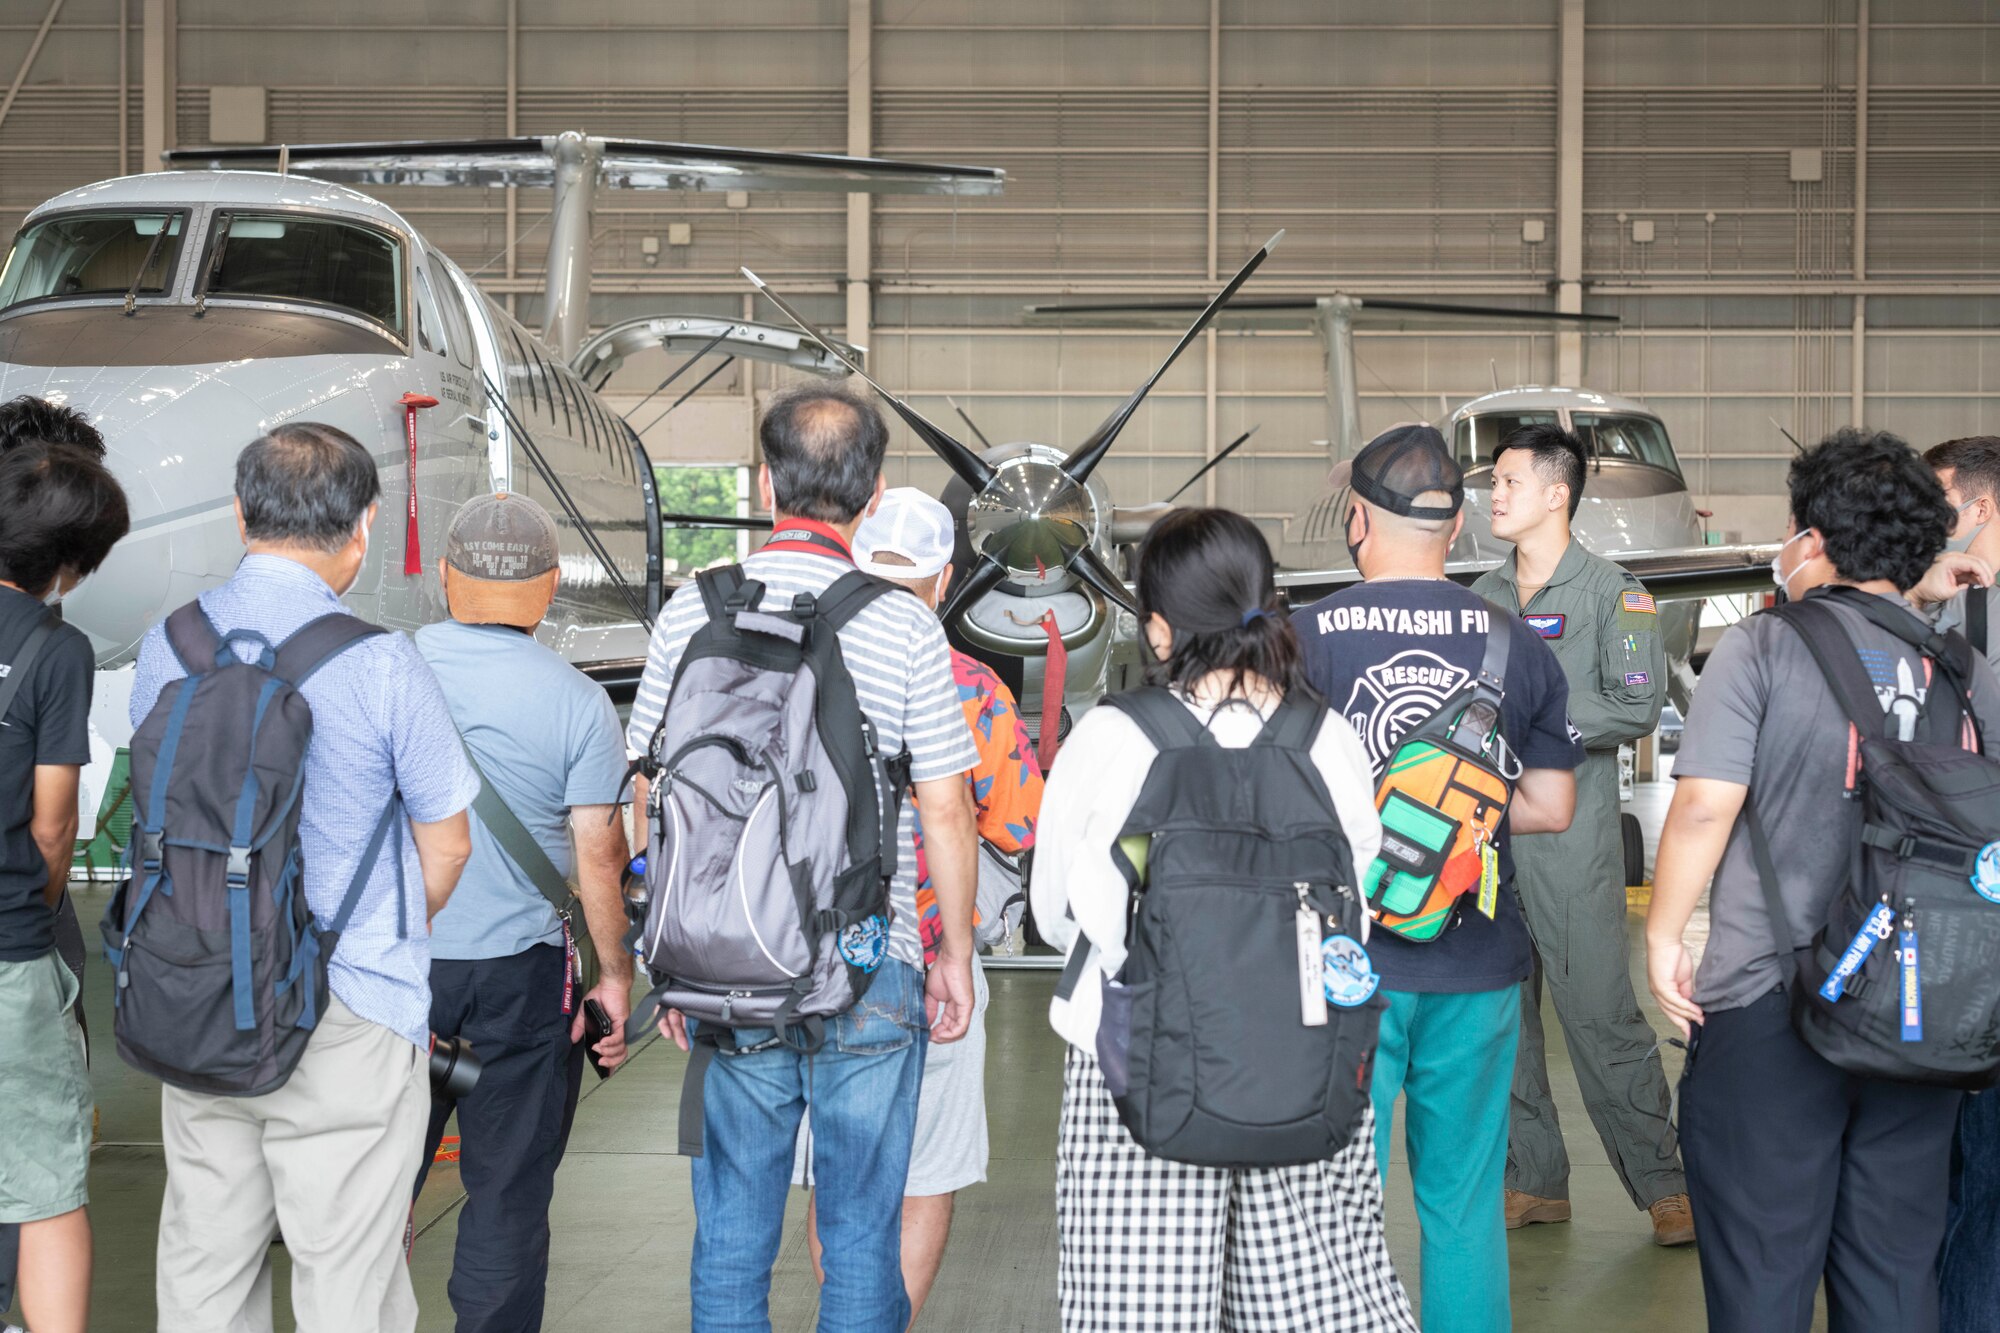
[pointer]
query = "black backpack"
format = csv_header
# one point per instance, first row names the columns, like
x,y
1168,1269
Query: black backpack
x,y
1903,980
1242,896
221,968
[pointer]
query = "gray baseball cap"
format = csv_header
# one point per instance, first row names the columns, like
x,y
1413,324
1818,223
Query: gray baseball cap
x,y
505,548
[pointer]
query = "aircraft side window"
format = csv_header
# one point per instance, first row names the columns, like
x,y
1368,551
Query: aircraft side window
x,y
311,260
93,254
457,331
430,327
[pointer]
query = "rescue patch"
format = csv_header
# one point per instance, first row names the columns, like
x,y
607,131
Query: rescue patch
x,y
1641,602
1549,627
1637,678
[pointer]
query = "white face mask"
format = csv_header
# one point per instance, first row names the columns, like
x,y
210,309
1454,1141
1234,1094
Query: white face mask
x,y
1963,544
1778,576
342,592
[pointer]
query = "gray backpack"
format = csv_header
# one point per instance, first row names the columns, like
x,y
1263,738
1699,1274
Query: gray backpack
x,y
221,967
773,821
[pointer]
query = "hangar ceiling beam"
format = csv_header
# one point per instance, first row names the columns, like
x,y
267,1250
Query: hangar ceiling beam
x,y
1569,187
860,143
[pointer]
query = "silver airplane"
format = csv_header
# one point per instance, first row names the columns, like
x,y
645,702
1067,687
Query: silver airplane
x,y
186,312
1636,510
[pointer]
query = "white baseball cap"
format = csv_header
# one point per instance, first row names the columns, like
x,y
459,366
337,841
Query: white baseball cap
x,y
907,523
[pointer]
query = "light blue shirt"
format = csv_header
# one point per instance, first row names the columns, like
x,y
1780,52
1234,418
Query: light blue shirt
x,y
380,726
548,739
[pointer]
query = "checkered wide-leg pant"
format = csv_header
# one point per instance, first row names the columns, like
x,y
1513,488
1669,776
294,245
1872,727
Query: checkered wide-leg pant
x,y
1164,1247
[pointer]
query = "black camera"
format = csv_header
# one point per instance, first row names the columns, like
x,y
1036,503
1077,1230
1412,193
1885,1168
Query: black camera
x,y
455,1067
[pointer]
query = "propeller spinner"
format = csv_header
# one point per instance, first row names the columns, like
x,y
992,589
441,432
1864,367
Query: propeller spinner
x,y
1033,518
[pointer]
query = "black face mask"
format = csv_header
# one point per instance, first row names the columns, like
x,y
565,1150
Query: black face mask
x,y
1354,547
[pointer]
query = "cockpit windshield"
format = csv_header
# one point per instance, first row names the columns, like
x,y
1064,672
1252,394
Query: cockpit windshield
x,y
1622,437
93,254
1611,436
1474,438
316,260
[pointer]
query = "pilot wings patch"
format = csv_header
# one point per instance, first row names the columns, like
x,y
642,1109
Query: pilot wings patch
x,y
1638,601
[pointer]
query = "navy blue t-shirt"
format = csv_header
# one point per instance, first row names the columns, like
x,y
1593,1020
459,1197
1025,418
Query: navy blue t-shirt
x,y
1386,655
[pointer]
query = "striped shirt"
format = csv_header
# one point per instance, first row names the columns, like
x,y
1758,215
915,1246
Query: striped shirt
x,y
380,726
895,651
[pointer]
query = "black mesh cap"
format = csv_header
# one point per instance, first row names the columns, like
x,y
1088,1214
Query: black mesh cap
x,y
1399,465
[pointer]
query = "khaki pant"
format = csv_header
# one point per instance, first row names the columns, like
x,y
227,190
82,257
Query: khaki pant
x,y
329,1160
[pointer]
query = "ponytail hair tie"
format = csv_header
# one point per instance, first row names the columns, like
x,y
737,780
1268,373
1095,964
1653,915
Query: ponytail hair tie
x,y
1252,614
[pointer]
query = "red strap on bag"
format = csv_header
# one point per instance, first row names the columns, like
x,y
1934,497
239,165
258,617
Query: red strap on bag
x,y
413,403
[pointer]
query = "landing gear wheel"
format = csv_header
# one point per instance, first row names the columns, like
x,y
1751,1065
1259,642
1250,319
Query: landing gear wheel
x,y
1635,847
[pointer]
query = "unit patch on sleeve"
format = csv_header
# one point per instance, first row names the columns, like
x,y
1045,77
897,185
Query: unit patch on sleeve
x,y
1638,678
1638,601
1549,627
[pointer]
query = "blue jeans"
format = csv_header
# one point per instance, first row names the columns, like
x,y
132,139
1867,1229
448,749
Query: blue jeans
x,y
862,1086
1452,1059
1971,1282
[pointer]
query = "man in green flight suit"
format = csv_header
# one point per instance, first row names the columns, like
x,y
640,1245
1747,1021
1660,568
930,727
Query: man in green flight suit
x,y
1604,630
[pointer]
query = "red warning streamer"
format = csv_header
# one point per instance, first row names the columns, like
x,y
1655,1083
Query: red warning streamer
x,y
1053,672
413,556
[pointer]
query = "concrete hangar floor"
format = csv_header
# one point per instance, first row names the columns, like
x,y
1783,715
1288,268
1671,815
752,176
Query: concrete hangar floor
x,y
623,1221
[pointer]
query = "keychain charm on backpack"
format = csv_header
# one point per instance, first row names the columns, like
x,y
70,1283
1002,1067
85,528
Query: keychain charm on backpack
x,y
1986,873
1912,984
1312,992
1879,926
1489,879
865,943
1350,977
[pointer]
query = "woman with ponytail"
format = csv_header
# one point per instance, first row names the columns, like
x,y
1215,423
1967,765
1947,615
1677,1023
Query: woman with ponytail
x,y
1147,1242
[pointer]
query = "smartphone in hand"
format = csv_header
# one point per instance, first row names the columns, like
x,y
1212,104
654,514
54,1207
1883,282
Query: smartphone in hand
x,y
596,1027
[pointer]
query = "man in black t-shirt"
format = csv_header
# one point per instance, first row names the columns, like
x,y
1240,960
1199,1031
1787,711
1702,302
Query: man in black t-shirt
x,y
1387,653
27,419
60,513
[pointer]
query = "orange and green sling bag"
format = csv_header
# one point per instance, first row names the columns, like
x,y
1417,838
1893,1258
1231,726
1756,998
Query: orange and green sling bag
x,y
1442,795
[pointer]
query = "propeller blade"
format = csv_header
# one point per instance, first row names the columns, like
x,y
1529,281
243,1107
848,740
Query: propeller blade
x,y
961,460
1234,445
1090,567
1080,464
970,423
977,585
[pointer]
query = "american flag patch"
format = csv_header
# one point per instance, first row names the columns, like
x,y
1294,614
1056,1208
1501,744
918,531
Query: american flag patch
x,y
1639,601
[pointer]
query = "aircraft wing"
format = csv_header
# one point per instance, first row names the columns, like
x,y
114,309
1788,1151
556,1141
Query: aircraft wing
x,y
1274,312
1684,574
641,164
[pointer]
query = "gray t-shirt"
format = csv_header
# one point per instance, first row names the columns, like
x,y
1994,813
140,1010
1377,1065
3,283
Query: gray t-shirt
x,y
547,738
1764,718
1952,616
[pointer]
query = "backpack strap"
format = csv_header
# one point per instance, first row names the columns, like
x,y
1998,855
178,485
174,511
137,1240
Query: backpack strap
x,y
720,587
1159,713
31,648
1294,724
384,826
1976,605
318,642
515,841
847,595
1833,651
193,637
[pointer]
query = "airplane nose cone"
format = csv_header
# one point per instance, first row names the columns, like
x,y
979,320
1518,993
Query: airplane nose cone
x,y
128,592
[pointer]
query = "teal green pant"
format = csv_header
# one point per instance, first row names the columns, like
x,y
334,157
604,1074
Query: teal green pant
x,y
1452,1059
